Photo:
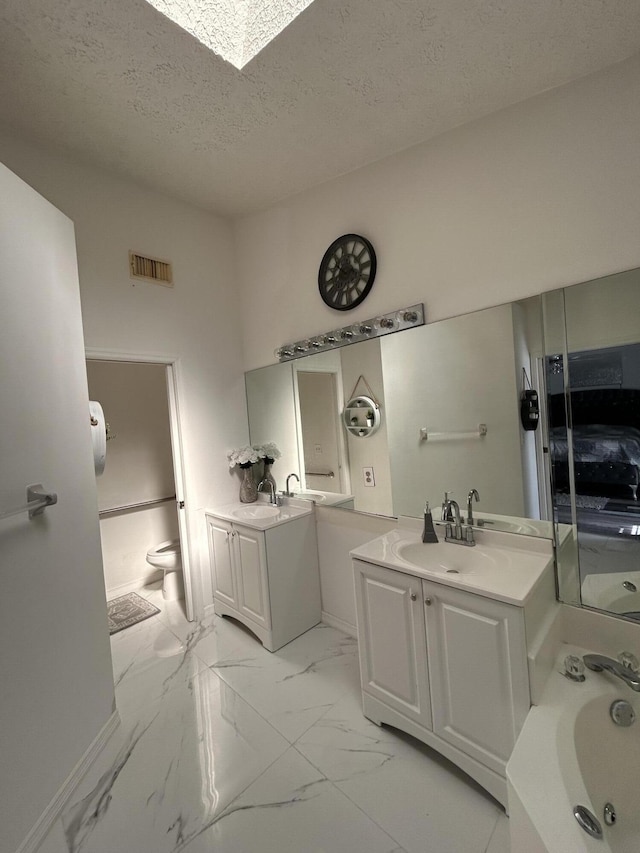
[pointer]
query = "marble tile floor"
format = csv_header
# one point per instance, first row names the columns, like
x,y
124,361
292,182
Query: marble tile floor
x,y
227,748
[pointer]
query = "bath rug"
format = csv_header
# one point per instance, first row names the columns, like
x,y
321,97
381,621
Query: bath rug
x,y
127,610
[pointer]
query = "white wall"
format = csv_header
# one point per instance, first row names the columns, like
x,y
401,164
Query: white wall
x,y
535,197
55,665
139,468
199,320
338,533
450,377
135,404
370,452
603,313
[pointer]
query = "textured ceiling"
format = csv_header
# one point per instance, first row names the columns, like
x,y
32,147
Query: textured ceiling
x,y
116,83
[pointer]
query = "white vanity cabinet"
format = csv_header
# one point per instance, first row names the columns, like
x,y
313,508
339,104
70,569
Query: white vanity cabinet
x,y
268,578
240,579
479,678
391,640
445,665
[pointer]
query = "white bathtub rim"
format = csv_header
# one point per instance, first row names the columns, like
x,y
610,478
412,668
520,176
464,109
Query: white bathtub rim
x,y
546,745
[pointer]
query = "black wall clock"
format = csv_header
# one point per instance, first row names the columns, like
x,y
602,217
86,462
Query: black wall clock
x,y
347,272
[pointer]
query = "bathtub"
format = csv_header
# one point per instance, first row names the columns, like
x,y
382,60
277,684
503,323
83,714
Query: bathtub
x,y
571,753
607,592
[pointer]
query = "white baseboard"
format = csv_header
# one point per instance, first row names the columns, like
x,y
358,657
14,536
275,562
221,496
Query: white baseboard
x,y
135,585
57,805
340,624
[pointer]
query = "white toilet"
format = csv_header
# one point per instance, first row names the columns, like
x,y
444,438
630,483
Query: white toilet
x,y
167,556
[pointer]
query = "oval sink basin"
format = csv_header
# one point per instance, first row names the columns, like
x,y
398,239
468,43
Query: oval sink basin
x,y
507,526
311,496
445,558
251,512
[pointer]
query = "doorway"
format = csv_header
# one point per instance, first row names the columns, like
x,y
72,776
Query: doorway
x,y
141,493
320,438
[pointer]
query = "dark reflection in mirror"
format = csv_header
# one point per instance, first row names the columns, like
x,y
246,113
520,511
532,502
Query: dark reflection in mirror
x,y
593,385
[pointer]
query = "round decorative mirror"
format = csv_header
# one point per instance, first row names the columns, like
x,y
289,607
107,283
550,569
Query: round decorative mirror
x,y
361,417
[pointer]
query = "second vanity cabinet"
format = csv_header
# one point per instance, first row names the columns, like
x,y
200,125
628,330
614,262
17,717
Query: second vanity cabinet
x,y
445,665
267,578
240,577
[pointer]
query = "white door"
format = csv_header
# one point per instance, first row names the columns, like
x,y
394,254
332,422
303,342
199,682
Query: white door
x,y
181,498
320,431
478,668
55,664
251,576
220,533
391,640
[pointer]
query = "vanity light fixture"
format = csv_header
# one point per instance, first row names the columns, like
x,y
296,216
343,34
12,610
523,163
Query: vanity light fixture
x,y
385,324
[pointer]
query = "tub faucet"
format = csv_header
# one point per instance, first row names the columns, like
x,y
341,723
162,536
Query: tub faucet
x,y
287,491
274,499
599,662
472,494
453,531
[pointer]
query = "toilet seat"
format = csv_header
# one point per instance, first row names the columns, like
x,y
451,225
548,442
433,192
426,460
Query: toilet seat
x,y
166,555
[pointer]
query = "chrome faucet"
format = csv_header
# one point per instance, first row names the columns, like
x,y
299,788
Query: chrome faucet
x,y
273,498
453,530
287,491
597,663
472,494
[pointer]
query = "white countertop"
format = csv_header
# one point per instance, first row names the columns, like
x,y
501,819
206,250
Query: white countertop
x,y
241,513
506,572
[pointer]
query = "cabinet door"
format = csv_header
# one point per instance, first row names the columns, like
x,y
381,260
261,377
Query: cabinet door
x,y
391,640
251,575
221,561
478,667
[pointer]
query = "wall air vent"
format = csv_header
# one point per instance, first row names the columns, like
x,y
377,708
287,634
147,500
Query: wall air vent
x,y
150,269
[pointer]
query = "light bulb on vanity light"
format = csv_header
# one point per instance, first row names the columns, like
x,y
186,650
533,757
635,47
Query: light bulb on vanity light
x,y
385,322
285,351
405,316
348,333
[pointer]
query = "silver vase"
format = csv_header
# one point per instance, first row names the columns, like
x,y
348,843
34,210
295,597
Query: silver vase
x,y
248,486
268,476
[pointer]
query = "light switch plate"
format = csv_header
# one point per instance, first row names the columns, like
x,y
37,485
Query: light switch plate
x,y
369,477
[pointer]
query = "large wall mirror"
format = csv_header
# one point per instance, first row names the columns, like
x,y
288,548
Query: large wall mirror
x,y
449,401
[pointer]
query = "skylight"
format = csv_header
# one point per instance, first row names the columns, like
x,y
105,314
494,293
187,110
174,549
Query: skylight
x,y
236,30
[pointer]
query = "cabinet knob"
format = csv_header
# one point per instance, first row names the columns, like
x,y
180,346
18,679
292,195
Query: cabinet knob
x,y
427,601
412,596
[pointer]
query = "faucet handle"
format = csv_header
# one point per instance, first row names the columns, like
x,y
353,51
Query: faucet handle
x,y
447,512
574,668
630,661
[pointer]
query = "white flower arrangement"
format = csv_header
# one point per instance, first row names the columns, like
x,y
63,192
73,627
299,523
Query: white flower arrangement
x,y
268,451
243,456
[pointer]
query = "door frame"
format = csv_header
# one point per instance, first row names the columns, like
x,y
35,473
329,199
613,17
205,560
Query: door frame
x,y
192,591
